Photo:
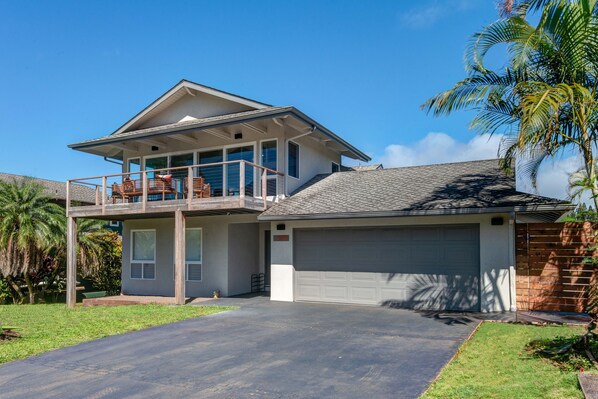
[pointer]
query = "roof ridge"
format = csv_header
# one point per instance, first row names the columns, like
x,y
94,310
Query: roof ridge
x,y
223,91
424,166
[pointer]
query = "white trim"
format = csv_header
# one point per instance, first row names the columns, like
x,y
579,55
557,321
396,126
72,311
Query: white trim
x,y
114,223
298,158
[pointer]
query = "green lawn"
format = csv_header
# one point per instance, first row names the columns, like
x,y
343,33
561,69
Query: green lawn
x,y
47,327
497,363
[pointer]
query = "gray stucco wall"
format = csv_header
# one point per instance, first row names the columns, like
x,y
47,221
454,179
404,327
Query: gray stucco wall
x,y
215,254
243,256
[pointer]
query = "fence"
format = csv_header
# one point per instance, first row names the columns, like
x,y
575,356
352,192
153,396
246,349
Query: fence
x,y
551,272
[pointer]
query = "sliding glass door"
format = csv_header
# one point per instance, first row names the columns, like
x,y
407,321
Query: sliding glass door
x,y
213,175
244,153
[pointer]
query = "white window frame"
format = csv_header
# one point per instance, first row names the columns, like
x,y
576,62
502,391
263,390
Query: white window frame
x,y
269,177
114,223
145,262
298,158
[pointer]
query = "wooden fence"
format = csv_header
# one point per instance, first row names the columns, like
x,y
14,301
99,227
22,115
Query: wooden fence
x,y
551,272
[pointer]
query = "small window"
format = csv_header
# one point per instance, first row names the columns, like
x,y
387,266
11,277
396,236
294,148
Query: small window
x,y
335,167
143,254
193,254
293,160
114,223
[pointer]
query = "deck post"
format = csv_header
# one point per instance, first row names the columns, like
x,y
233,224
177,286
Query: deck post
x,y
103,195
190,188
179,257
144,190
265,188
242,180
71,262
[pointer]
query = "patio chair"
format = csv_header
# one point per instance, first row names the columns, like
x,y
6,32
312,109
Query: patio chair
x,y
200,188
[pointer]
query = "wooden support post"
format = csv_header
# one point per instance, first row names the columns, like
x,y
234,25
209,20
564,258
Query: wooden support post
x,y
68,196
242,180
98,195
144,190
190,192
179,257
265,187
71,262
103,195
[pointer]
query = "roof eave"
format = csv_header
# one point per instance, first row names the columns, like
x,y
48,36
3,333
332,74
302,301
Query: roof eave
x,y
561,207
292,111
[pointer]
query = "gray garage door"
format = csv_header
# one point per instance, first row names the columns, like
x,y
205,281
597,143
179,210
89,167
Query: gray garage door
x,y
431,267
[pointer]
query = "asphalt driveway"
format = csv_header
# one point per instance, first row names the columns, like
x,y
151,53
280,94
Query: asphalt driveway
x,y
263,350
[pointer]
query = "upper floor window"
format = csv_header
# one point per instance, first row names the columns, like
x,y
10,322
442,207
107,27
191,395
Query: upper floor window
x,y
335,167
293,160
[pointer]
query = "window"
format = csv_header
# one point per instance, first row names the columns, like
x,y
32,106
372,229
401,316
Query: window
x,y
134,165
156,163
193,250
212,174
293,160
233,171
143,254
114,223
269,160
335,167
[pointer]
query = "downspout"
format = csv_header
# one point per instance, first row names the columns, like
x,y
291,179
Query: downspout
x,y
286,158
512,260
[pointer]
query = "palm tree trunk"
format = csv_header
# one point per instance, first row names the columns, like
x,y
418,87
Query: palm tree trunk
x,y
590,167
30,289
15,287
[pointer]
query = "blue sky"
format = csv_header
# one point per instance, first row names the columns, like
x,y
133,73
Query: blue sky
x,y
76,70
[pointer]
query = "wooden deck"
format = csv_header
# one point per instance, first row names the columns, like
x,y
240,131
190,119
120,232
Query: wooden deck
x,y
198,206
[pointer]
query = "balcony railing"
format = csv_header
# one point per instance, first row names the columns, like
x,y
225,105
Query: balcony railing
x,y
234,184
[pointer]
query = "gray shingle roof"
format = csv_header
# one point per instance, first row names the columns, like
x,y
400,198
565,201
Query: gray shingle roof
x,y
464,187
56,189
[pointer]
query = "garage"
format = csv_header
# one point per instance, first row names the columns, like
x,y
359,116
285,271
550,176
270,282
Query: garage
x,y
423,267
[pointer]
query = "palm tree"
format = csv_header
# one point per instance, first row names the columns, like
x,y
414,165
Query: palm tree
x,y
30,226
545,100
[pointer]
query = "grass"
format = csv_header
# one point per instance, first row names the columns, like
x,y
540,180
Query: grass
x,y
47,327
503,361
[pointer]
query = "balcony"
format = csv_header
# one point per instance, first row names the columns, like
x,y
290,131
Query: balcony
x,y
206,189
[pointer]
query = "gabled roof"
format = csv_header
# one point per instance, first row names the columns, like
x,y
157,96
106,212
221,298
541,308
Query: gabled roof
x,y
56,189
180,89
453,188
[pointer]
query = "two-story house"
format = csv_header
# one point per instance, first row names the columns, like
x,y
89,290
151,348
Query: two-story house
x,y
216,187
199,166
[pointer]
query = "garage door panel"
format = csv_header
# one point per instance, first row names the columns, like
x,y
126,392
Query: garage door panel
x,y
364,295
332,292
431,267
363,277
